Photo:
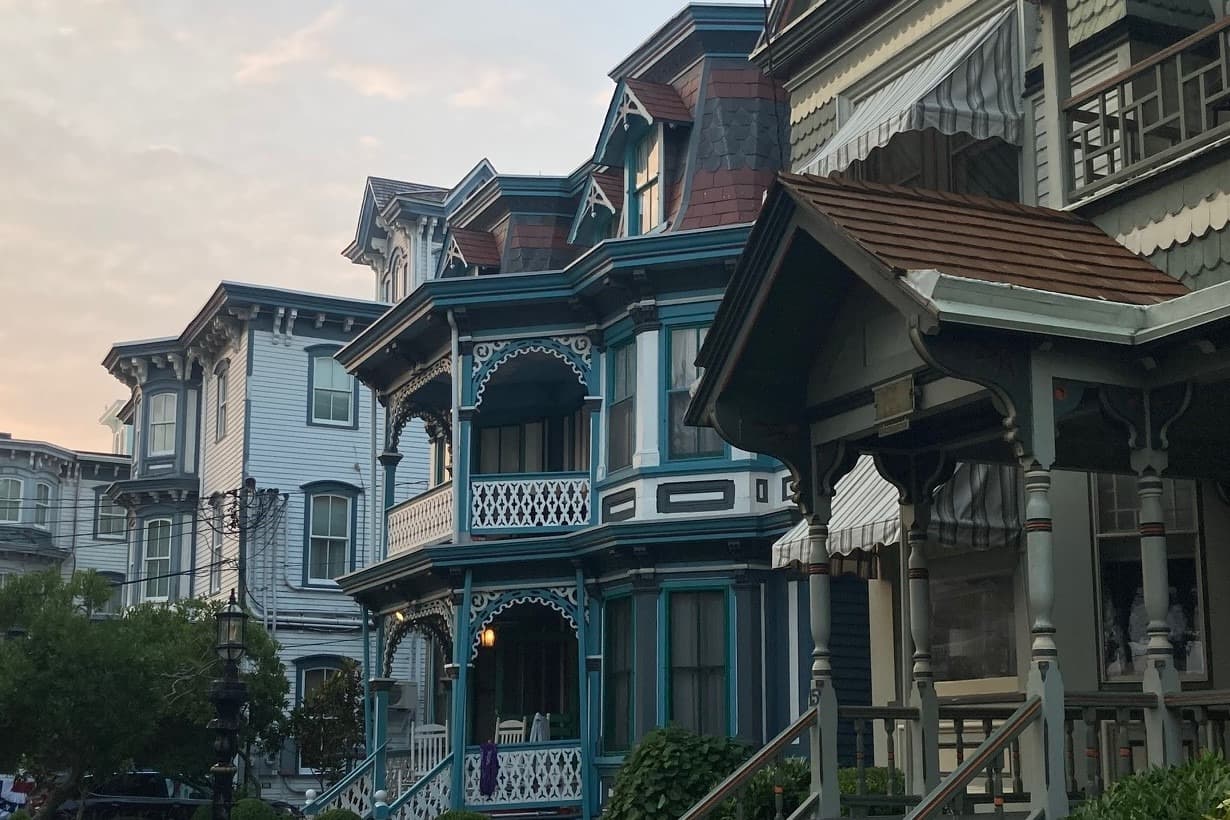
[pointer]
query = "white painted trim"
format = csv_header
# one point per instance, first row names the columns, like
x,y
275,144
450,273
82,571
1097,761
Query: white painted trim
x,y
648,378
20,500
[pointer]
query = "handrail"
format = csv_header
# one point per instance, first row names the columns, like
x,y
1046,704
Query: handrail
x,y
992,699
973,765
1206,697
528,476
330,794
1147,63
420,784
1110,700
806,807
739,777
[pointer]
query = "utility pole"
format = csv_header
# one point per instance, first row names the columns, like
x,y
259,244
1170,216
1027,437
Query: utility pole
x,y
245,496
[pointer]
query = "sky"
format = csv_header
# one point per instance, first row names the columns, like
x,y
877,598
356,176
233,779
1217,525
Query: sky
x,y
152,148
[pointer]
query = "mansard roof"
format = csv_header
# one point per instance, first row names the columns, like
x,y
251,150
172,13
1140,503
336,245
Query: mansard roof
x,y
647,102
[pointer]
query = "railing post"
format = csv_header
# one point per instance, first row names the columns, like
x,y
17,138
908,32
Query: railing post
x,y
1045,771
823,696
380,736
926,741
1160,678
380,808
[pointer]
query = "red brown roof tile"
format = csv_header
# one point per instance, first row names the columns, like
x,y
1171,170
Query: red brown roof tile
x,y
611,182
986,239
477,248
661,101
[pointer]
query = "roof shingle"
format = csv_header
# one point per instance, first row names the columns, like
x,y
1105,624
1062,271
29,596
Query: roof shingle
x,y
611,182
477,247
986,239
384,189
661,101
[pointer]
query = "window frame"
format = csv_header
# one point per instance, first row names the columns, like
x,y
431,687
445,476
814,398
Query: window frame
x,y
41,506
315,354
215,547
101,501
665,666
166,395
669,391
115,604
979,568
605,705
634,190
148,577
222,389
311,663
1197,535
334,489
614,403
15,502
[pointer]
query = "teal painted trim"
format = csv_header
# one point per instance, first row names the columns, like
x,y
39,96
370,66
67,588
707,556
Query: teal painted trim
x,y
696,466
485,477
618,333
668,587
583,699
488,369
732,662
590,755
461,657
365,636
632,206
695,313
596,419
408,794
665,344
330,794
531,747
524,530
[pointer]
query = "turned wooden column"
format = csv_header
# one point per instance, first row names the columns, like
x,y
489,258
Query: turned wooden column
x,y
1160,677
822,694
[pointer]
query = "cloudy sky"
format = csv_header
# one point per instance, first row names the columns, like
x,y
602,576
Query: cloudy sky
x,y
150,148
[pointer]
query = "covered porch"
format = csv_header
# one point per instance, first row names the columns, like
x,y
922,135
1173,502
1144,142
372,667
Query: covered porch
x,y
945,336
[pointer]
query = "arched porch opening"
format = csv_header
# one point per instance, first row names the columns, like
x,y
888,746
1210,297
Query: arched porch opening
x,y
525,670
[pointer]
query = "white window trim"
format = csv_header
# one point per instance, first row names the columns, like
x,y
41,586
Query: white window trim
x,y
174,399
350,406
145,559
215,551
222,389
40,506
21,492
103,502
311,579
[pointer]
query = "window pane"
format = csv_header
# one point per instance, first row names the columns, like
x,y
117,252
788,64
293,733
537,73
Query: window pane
x,y
698,684
972,627
339,523
341,407
510,449
622,431
10,499
617,669
533,447
489,450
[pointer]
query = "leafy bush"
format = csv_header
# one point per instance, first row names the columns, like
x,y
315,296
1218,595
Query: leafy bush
x,y
668,771
332,814
20,814
201,813
793,775
457,814
1188,792
877,784
250,808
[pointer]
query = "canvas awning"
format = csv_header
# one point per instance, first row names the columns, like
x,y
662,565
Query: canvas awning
x,y
979,508
971,86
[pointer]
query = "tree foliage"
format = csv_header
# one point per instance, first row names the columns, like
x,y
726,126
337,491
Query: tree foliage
x,y
328,725
1192,791
83,696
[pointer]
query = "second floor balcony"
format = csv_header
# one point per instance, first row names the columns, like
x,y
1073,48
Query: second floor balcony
x,y
1171,105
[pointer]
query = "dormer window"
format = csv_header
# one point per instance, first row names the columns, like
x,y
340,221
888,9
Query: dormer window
x,y
644,184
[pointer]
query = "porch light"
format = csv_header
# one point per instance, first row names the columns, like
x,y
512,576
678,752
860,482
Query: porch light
x,y
487,638
400,616
232,623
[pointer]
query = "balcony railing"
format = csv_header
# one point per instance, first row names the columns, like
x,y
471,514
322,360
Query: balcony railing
x,y
421,520
1169,105
529,501
530,773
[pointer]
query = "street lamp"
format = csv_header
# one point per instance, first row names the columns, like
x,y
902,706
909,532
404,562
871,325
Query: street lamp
x,y
227,695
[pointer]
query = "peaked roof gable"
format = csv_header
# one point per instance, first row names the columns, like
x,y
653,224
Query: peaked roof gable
x,y
648,102
605,191
473,248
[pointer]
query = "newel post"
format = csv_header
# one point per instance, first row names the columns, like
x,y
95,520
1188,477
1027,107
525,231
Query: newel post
x,y
822,694
1045,776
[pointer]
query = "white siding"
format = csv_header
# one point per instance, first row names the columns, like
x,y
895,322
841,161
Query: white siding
x,y
222,461
99,554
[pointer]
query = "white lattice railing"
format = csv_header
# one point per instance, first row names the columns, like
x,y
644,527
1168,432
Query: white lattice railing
x,y
529,773
428,798
421,520
546,500
353,792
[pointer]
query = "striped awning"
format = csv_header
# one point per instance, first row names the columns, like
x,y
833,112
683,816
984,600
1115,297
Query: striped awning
x,y
971,86
979,508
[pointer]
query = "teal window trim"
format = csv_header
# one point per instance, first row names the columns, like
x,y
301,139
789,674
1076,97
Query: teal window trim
x,y
664,676
341,489
637,136
315,352
623,595
610,402
664,397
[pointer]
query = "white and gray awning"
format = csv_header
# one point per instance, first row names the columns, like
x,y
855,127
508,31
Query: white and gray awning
x,y
971,86
979,508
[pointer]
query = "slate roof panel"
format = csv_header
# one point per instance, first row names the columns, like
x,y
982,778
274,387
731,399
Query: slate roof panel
x,y
986,239
384,189
661,101
477,247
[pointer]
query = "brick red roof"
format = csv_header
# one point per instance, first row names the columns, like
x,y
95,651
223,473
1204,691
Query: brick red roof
x,y
661,101
611,182
477,248
986,239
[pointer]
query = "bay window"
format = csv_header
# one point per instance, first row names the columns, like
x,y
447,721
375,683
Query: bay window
x,y
621,430
156,564
162,408
10,500
697,679
617,674
685,441
42,505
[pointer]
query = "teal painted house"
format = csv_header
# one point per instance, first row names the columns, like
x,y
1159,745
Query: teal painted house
x,y
584,565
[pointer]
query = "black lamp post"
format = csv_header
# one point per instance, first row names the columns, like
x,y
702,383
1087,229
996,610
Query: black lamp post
x,y
228,695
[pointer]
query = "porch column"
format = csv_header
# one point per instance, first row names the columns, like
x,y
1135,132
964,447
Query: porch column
x,y
459,674
926,741
1160,678
389,459
1044,774
583,695
822,696
380,688
461,475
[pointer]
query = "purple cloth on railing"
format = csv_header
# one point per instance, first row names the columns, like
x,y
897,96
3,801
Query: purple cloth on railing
x,y
488,769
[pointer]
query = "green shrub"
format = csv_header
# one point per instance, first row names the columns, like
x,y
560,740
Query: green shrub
x,y
1188,792
877,784
331,814
250,808
668,771
201,813
794,776
20,814
458,814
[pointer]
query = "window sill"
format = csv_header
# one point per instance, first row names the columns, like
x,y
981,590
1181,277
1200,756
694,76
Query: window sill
x,y
335,425
321,583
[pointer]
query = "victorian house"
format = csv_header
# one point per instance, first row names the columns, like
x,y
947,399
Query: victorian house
x,y
585,566
253,471
1002,267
